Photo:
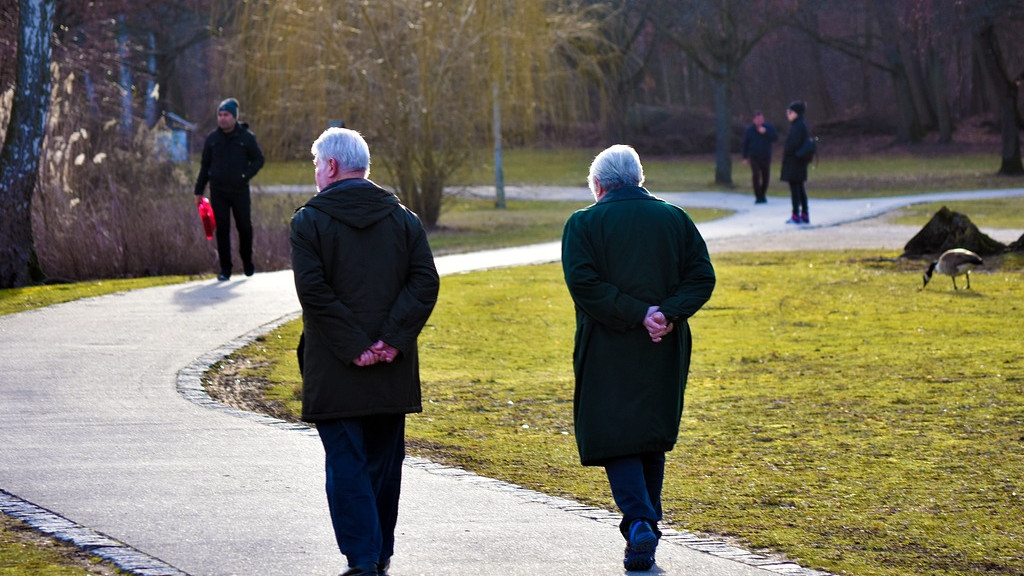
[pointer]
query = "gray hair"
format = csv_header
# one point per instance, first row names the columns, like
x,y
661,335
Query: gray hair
x,y
347,148
615,167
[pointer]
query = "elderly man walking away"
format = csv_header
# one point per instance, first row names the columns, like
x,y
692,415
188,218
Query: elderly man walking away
x,y
366,280
636,268
231,157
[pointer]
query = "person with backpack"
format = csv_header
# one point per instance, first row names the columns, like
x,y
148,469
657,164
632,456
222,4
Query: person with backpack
x,y
797,153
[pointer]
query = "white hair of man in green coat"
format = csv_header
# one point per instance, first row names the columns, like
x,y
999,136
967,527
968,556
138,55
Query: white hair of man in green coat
x,y
637,268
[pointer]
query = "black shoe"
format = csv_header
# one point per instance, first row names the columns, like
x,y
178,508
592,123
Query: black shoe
x,y
249,268
383,567
635,561
224,276
361,570
640,549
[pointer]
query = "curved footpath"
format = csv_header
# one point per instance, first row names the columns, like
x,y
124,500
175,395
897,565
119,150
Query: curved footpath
x,y
107,440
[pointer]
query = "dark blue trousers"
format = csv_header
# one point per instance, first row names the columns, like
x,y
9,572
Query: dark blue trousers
x,y
364,478
636,483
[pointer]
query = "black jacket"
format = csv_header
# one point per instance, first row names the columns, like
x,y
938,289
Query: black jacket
x,y
796,152
363,272
756,145
230,160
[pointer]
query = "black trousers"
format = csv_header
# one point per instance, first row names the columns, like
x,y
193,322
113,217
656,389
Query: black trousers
x,y
798,194
760,170
226,202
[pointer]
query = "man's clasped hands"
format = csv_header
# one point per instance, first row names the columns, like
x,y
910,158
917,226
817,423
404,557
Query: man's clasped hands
x,y
380,351
656,324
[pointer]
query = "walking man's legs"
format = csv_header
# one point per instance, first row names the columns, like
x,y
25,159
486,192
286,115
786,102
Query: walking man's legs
x,y
636,483
220,201
241,205
364,467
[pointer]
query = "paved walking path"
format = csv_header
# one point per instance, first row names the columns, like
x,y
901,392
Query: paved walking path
x,y
107,439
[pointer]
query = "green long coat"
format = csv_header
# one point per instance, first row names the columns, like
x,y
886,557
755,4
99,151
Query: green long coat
x,y
620,256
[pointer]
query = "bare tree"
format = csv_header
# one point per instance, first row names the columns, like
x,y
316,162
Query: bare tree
x,y
417,78
19,160
718,36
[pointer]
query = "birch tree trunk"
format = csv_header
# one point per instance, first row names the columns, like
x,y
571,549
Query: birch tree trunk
x,y
23,144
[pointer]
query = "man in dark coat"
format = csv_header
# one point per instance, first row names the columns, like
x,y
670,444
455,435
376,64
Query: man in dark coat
x,y
797,153
231,157
757,152
366,280
636,268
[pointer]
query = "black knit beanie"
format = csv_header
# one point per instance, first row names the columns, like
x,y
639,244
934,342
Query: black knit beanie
x,y
798,106
230,105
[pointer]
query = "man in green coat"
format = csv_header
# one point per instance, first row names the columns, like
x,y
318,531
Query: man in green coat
x,y
636,268
366,280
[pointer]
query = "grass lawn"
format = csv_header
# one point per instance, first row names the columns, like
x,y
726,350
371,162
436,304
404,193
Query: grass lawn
x,y
23,551
887,173
20,299
987,214
835,413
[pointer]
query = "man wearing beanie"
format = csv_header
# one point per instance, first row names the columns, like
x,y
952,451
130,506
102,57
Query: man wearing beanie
x,y
231,157
798,151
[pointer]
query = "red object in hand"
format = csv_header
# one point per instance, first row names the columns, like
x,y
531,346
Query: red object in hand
x,y
206,215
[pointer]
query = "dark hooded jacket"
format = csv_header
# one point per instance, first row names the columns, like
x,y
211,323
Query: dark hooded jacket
x,y
363,272
230,160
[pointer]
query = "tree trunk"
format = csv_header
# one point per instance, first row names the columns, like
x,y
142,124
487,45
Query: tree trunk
x,y
908,129
916,84
723,129
940,87
1005,92
23,144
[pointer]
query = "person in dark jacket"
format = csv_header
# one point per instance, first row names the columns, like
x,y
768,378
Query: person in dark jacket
x,y
367,284
637,268
797,153
757,153
231,157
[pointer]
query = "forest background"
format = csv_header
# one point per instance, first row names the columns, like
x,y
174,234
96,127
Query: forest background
x,y
90,88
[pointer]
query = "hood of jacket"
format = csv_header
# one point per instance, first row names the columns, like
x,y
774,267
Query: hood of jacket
x,y
355,202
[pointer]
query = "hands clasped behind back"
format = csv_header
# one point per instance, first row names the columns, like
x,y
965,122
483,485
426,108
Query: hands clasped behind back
x,y
380,351
657,324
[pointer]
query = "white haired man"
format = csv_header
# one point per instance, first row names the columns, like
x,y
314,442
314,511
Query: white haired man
x,y
366,280
636,268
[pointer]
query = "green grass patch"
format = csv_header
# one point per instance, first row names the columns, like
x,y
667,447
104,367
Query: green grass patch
x,y
20,299
835,412
474,224
834,175
996,213
25,552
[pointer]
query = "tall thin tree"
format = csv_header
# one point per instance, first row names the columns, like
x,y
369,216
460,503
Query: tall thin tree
x,y
23,143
